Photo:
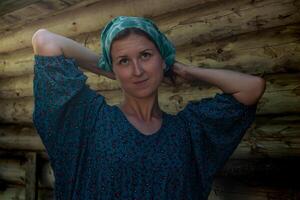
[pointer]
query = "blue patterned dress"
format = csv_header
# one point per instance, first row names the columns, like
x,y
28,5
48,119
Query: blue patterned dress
x,y
96,153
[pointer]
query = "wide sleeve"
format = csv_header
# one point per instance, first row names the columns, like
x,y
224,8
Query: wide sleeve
x,y
65,108
216,126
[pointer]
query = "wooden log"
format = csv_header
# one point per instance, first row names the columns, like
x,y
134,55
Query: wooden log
x,y
233,189
12,170
18,170
14,154
22,86
46,175
16,14
216,21
100,12
274,50
281,96
14,141
266,171
10,66
226,19
19,112
7,6
20,137
17,192
198,24
30,176
272,136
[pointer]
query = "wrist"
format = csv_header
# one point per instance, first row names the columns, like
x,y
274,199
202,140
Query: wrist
x,y
189,72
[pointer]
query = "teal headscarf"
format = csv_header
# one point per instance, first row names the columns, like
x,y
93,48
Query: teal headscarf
x,y
118,24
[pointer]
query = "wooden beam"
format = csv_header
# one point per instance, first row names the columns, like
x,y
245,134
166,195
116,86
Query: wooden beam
x,y
101,12
268,171
7,6
227,19
184,26
13,192
237,189
36,11
30,176
23,86
12,170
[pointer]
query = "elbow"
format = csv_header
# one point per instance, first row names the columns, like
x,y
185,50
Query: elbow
x,y
253,94
258,89
43,43
38,38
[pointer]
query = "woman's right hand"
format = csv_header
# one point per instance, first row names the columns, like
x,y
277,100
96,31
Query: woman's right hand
x,y
109,75
57,44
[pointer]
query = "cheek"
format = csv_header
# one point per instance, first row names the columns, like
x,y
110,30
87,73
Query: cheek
x,y
157,69
155,64
122,76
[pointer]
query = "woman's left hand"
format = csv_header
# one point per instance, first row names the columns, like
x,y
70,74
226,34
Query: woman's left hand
x,y
180,74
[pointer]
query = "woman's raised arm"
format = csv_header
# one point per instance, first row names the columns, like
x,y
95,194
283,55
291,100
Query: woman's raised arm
x,y
246,88
47,43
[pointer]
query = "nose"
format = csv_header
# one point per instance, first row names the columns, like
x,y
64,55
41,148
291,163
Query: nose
x,y
137,68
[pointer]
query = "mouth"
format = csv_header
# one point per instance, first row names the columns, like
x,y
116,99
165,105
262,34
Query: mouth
x,y
140,82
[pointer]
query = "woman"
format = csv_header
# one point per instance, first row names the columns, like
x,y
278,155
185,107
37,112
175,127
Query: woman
x,y
134,150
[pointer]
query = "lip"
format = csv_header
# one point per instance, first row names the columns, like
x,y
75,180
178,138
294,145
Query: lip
x,y
140,82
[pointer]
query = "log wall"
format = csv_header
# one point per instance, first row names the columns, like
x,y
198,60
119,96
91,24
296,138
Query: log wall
x,y
261,38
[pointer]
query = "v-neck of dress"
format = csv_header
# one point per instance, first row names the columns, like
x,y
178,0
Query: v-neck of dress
x,y
155,134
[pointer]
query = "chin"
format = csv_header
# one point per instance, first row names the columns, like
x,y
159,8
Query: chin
x,y
142,93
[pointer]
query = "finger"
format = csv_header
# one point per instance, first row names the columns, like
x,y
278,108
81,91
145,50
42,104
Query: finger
x,y
167,80
110,75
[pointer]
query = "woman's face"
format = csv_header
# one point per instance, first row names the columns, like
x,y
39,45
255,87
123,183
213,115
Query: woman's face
x,y
138,65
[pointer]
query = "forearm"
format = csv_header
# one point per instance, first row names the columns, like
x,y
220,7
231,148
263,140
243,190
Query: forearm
x,y
228,81
246,88
85,58
49,43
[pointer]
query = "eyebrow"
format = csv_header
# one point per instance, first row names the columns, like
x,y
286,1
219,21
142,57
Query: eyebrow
x,y
121,56
124,56
147,50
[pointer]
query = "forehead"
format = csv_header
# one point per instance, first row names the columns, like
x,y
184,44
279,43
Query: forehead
x,y
132,43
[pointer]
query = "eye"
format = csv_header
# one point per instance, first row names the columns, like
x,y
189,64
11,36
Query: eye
x,y
146,55
123,61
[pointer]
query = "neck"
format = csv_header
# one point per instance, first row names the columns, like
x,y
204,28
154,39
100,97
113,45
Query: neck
x,y
144,109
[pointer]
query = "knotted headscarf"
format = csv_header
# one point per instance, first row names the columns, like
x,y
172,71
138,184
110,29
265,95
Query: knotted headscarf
x,y
118,24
